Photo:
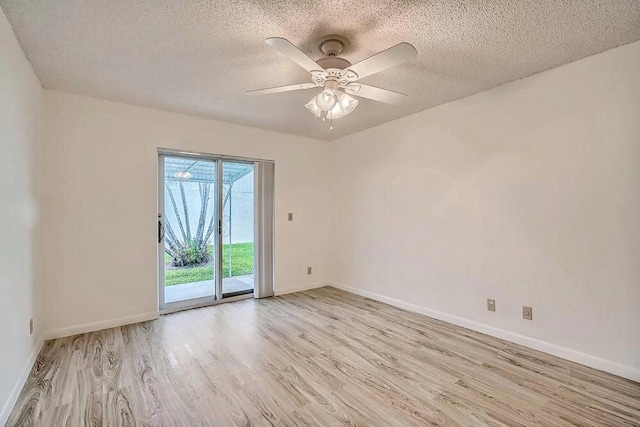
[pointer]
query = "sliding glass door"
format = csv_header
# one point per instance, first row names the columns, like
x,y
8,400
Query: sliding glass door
x,y
238,228
205,230
188,227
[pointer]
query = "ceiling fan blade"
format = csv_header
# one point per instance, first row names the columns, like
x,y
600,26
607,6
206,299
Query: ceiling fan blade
x,y
391,57
278,89
375,93
289,50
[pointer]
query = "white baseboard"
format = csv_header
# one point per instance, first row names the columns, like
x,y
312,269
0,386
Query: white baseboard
x,y
278,292
22,379
96,326
544,346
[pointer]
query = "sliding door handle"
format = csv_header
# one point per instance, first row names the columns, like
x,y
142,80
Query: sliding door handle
x,y
160,231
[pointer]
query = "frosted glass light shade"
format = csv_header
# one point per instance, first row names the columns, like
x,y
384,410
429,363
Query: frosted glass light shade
x,y
345,105
326,100
313,108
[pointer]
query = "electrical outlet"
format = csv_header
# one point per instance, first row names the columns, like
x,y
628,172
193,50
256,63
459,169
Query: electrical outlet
x,y
491,304
527,313
308,270
290,216
30,326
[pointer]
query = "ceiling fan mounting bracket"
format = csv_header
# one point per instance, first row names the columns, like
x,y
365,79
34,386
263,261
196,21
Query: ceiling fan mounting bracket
x,y
333,44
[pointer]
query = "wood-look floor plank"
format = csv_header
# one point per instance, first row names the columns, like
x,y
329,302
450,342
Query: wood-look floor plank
x,y
320,357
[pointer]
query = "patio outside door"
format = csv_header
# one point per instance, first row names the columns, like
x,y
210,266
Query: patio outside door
x,y
238,217
205,230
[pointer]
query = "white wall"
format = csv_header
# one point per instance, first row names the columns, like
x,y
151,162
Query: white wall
x,y
20,94
99,167
528,193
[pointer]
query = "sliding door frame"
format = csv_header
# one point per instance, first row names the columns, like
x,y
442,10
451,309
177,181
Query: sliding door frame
x,y
219,195
163,306
209,156
219,297
161,233
226,295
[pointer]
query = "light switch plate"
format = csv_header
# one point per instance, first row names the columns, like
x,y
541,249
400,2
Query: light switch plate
x,y
527,313
491,304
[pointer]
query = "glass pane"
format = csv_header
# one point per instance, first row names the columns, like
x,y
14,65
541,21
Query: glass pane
x,y
237,228
190,229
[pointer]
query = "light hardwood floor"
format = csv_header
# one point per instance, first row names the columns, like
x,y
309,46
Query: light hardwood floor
x,y
321,357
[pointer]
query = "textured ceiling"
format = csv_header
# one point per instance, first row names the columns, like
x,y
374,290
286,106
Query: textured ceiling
x,y
199,57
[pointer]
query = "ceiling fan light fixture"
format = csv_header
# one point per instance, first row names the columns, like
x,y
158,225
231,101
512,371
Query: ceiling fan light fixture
x,y
345,105
326,100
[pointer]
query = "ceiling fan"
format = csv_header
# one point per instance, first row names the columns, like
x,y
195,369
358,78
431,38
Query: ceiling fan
x,y
338,77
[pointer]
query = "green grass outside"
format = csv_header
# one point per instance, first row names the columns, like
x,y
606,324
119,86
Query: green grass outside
x,y
242,264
